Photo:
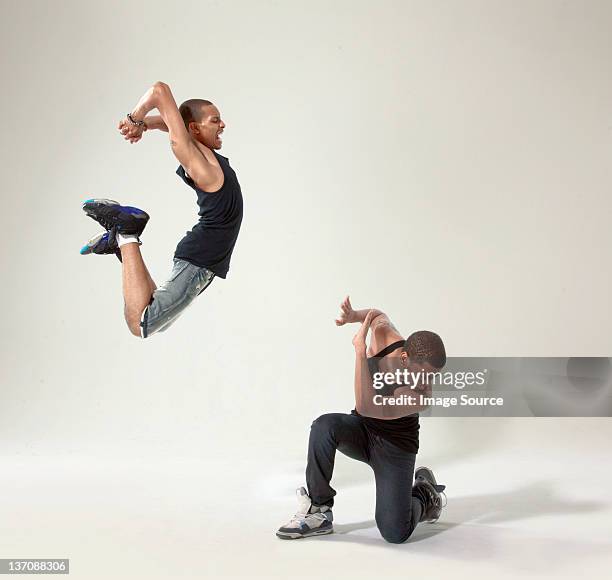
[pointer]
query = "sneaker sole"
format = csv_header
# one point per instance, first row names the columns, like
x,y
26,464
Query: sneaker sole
x,y
297,535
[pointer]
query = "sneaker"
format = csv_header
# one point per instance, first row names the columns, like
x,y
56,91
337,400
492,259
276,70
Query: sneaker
x,y
104,243
427,489
308,521
109,214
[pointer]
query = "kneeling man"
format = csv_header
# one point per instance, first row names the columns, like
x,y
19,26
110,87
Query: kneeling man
x,y
383,435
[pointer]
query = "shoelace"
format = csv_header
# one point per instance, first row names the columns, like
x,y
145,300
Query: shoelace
x,y
300,517
105,223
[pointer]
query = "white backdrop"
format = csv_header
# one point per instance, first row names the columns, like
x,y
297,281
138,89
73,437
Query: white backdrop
x,y
447,162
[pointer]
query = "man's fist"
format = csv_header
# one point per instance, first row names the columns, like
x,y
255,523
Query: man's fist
x,y
131,133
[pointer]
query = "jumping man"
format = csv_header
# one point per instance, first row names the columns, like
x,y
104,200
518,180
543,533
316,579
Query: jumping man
x,y
195,136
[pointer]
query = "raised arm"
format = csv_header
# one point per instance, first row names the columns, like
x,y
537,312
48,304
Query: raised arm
x,y
204,173
133,133
368,399
383,333
155,122
363,379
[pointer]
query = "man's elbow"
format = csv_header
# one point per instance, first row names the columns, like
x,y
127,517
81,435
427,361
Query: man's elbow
x,y
380,320
160,88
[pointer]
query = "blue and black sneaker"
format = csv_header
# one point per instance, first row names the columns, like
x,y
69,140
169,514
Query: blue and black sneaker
x,y
105,243
109,214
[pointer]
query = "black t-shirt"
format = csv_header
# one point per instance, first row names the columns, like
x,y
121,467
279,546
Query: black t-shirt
x,y
211,241
403,432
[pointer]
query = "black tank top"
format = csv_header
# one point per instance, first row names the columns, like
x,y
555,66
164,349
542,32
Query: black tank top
x,y
211,241
403,432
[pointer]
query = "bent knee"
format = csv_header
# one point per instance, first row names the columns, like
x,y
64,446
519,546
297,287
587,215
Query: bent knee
x,y
393,533
325,423
133,318
393,536
135,329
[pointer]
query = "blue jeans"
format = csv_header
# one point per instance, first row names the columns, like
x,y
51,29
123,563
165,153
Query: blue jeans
x,y
397,510
186,281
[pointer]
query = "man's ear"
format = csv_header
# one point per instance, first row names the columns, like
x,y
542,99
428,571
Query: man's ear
x,y
404,358
193,128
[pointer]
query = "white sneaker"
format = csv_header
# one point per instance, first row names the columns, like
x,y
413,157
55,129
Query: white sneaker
x,y
308,521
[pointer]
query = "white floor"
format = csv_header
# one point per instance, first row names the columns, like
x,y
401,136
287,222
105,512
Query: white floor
x,y
536,503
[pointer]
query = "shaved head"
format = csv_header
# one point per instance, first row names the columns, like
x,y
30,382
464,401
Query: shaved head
x,y
203,122
193,110
426,346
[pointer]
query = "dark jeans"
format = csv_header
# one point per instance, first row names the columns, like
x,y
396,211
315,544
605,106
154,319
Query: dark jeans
x,y
397,511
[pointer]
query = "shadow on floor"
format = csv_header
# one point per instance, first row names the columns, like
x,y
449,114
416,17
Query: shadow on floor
x,y
475,534
529,501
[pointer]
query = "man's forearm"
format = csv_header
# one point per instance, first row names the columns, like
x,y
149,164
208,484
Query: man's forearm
x,y
147,103
155,122
359,315
363,383
381,325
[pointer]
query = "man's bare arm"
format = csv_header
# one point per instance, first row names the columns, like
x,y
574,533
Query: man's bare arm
x,y
384,332
155,122
349,315
364,403
364,388
363,378
366,396
160,97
